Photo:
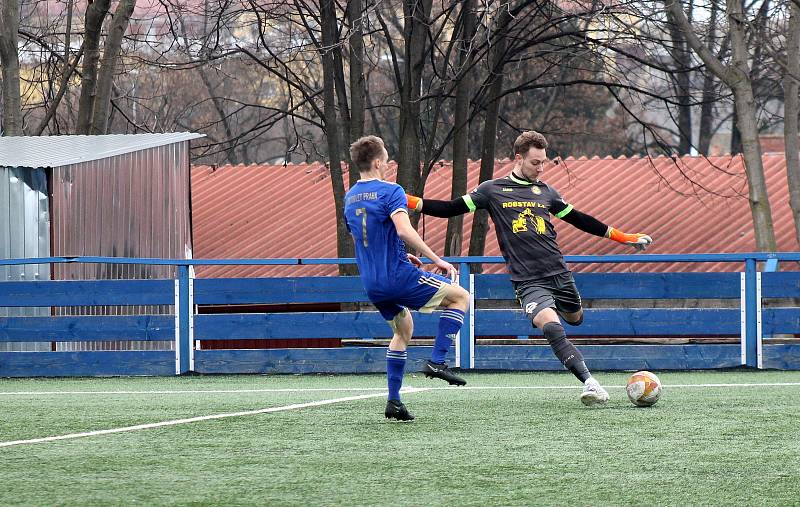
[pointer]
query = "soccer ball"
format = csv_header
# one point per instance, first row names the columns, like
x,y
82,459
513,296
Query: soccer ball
x,y
643,389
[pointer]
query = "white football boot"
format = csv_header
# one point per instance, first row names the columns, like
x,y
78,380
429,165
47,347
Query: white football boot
x,y
593,393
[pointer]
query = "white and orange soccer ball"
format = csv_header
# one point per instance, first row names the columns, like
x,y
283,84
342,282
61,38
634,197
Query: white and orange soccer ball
x,y
643,388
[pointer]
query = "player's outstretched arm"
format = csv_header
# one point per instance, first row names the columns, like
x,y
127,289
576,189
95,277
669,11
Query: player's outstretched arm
x,y
588,223
408,234
434,208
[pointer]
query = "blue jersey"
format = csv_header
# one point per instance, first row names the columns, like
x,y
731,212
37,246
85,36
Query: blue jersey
x,y
381,256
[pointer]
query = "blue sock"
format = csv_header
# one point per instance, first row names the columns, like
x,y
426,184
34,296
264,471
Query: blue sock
x,y
395,364
449,324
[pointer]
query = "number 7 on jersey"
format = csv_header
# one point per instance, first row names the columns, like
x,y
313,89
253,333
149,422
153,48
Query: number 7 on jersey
x,y
363,213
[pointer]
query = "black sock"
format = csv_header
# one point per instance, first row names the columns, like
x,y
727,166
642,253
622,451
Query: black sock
x,y
565,351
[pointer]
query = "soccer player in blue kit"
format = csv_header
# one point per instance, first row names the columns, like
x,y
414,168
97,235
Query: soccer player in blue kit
x,y
377,218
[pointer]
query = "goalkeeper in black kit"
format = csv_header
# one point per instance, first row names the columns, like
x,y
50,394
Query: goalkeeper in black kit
x,y
520,206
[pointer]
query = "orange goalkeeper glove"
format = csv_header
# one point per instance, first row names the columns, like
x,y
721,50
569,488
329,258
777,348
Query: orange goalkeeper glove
x,y
638,241
413,202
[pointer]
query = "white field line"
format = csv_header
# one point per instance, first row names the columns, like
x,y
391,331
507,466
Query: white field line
x,y
203,391
361,389
665,386
176,422
763,384
297,406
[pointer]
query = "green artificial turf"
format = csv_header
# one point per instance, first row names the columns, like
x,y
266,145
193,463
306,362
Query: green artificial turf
x,y
697,446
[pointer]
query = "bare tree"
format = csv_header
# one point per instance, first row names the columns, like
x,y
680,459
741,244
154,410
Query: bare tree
x,y
327,9
462,116
9,59
494,97
709,92
736,75
681,54
95,15
791,107
108,68
62,90
357,20
416,35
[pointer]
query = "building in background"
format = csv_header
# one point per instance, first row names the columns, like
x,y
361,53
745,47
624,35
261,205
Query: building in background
x,y
688,204
110,195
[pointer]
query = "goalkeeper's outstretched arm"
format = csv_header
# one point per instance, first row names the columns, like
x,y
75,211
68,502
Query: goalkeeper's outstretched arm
x,y
434,208
588,223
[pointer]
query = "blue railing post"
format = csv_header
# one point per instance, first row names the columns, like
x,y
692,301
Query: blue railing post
x,y
466,338
182,309
750,314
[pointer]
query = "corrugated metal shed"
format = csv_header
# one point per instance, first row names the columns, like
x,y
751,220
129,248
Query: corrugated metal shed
x,y
55,151
130,205
111,195
24,222
24,232
689,205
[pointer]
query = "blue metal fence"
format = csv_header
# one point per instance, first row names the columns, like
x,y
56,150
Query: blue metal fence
x,y
188,330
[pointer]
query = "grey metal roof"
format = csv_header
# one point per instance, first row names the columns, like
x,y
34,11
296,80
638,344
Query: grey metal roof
x,y
55,151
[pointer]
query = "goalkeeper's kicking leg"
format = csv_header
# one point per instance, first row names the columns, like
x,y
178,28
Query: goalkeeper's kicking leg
x,y
547,320
540,299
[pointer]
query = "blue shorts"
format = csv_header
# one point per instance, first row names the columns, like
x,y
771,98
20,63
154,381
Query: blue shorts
x,y
424,294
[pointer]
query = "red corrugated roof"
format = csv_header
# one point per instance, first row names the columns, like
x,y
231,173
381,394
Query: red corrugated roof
x,y
688,205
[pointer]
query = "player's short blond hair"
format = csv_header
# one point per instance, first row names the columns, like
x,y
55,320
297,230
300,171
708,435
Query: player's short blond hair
x,y
364,150
528,140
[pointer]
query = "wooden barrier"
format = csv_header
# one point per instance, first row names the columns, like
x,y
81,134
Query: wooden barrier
x,y
187,330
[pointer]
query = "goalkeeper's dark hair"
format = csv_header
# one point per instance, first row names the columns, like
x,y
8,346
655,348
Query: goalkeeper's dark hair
x,y
364,150
528,140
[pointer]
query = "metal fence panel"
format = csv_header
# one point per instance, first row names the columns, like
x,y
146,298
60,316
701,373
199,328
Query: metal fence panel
x,y
24,232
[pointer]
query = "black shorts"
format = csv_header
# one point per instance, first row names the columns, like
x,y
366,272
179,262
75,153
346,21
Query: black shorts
x,y
557,291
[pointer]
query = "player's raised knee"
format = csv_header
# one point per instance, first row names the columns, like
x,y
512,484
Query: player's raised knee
x,y
458,297
574,319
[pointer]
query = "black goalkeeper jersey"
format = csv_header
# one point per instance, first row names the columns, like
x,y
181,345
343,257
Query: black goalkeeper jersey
x,y
521,213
